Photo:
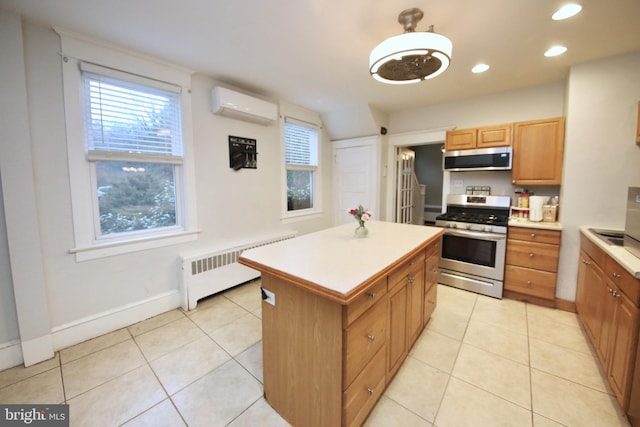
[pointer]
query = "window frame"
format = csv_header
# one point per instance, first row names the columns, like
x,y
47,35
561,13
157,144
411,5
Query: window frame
x,y
84,199
316,171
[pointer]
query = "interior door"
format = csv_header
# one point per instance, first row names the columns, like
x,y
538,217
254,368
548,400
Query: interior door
x,y
405,161
356,177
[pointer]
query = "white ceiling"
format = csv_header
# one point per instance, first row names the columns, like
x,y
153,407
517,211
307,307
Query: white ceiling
x,y
315,53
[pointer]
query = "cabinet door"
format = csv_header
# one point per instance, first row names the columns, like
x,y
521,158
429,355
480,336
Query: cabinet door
x,y
495,136
430,286
415,300
607,317
623,348
460,139
397,338
594,292
538,148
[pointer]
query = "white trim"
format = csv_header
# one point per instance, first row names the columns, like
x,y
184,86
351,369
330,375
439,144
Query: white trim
x,y
93,326
10,354
37,350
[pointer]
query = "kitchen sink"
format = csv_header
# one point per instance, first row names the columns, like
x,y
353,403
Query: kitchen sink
x,y
610,237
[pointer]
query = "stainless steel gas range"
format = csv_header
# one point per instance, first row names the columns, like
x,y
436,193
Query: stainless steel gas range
x,y
474,243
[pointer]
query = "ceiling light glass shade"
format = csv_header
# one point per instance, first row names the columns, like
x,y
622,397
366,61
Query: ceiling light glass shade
x,y
566,11
555,51
480,68
410,58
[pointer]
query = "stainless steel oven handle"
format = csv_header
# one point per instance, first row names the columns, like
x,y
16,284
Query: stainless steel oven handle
x,y
477,234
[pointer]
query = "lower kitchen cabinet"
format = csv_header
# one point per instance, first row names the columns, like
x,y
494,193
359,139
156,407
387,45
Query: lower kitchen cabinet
x,y
610,315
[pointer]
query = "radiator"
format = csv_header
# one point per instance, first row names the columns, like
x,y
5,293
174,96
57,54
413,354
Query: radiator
x,y
208,273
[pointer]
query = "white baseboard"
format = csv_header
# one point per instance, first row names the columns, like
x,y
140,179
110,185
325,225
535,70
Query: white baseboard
x,y
93,326
10,354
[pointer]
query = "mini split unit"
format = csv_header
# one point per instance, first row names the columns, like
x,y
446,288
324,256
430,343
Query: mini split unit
x,y
242,107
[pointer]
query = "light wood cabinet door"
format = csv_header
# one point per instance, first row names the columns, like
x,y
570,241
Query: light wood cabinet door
x,y
397,335
415,300
623,347
460,139
495,136
538,148
430,285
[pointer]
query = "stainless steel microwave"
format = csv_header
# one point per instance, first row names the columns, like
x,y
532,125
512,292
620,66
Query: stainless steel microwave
x,y
632,222
480,159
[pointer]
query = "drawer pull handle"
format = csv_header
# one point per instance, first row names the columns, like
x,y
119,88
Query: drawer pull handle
x,y
611,291
530,254
371,337
412,279
372,295
533,234
616,275
529,282
370,390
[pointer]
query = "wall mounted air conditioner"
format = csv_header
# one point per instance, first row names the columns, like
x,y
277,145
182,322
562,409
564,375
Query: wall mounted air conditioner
x,y
243,107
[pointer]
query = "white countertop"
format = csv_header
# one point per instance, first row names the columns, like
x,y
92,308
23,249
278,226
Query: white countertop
x,y
626,259
338,261
520,222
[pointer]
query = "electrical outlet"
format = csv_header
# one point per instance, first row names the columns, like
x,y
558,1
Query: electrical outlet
x,y
268,296
458,182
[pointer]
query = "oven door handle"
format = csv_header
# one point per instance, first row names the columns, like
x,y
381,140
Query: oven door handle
x,y
477,234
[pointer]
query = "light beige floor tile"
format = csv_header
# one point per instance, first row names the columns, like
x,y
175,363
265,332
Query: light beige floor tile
x,y
502,342
186,364
448,322
503,314
418,387
167,338
540,421
117,401
19,373
388,413
155,322
164,414
96,344
219,397
247,296
219,312
557,316
456,299
544,329
251,360
45,387
466,405
437,350
258,312
572,404
97,368
259,414
495,374
238,335
569,364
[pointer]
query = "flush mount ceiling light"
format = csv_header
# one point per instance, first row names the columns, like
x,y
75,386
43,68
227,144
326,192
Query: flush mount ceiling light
x,y
555,51
566,11
410,57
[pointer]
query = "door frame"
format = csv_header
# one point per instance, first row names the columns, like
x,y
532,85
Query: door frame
x,y
409,139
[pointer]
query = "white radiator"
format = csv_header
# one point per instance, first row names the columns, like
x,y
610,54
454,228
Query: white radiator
x,y
208,273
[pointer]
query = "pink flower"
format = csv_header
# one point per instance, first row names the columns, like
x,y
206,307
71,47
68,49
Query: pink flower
x,y
365,216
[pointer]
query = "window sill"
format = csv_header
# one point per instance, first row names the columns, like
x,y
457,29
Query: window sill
x,y
103,250
302,216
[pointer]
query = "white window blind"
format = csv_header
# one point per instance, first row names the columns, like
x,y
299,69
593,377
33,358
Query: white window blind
x,y
127,119
301,146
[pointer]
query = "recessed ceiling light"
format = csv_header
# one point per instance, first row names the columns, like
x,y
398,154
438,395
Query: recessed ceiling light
x,y
566,11
480,68
555,51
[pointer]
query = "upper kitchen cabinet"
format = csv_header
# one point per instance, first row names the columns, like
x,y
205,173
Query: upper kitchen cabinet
x,y
538,147
482,137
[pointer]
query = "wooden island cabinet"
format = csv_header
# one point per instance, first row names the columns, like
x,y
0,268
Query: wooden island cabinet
x,y
343,315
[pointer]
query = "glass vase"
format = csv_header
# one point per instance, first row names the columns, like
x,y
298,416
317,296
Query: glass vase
x,y
361,231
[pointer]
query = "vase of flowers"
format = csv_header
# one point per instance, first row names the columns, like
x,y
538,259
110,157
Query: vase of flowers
x,y
362,215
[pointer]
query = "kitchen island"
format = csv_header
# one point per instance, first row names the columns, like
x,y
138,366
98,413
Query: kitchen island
x,y
340,316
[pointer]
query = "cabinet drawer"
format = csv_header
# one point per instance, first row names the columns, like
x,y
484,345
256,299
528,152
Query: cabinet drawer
x,y
400,274
534,235
364,301
365,391
434,248
625,281
430,301
533,255
526,281
363,339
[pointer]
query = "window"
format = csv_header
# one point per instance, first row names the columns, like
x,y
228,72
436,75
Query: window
x,y
301,161
133,140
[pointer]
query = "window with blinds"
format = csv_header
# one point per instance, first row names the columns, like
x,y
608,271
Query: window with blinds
x,y
133,139
301,159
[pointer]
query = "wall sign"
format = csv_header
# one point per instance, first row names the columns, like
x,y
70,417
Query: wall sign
x,y
243,153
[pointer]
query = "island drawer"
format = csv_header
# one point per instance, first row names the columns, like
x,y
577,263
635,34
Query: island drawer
x,y
363,339
533,255
404,271
530,282
364,301
535,235
365,391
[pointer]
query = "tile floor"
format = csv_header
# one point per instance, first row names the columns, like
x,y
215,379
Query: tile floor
x,y
479,362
